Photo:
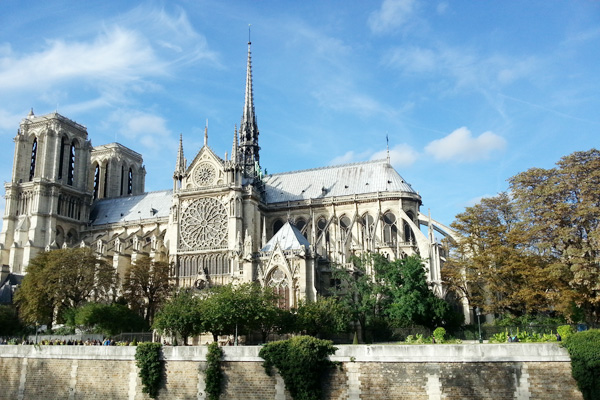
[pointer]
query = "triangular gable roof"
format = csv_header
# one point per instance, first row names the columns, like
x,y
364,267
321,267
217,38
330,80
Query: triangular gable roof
x,y
288,237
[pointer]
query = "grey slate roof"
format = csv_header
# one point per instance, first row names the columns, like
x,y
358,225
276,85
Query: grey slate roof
x,y
288,237
340,180
145,206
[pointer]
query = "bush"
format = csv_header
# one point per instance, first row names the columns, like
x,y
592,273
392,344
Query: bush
x,y
439,334
147,357
301,361
584,349
565,331
213,371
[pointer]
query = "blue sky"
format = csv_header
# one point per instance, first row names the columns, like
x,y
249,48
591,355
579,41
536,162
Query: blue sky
x,y
468,92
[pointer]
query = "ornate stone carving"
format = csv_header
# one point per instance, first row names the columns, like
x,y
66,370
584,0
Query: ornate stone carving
x,y
204,225
204,174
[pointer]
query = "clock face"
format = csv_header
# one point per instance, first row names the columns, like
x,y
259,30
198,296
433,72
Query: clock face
x,y
204,174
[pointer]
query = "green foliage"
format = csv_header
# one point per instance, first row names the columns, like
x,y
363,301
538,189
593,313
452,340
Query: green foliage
x,y
501,337
146,286
439,334
565,331
62,279
214,376
180,315
147,357
301,361
108,319
9,321
396,293
584,349
325,316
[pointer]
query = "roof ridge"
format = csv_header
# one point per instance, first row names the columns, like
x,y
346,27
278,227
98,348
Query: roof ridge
x,y
331,167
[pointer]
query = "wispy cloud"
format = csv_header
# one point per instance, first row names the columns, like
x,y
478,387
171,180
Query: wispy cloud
x,y
461,146
392,15
149,129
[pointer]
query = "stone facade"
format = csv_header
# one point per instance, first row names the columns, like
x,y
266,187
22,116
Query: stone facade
x,y
225,220
428,372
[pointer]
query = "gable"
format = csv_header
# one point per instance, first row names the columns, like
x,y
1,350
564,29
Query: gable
x,y
206,170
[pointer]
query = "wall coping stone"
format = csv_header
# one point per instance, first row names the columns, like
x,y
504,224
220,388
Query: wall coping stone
x,y
448,353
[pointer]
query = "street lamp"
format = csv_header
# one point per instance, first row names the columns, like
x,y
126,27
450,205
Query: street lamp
x,y
478,312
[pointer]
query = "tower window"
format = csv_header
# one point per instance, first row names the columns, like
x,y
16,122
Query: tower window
x,y
122,180
96,181
71,165
33,157
105,191
61,159
130,182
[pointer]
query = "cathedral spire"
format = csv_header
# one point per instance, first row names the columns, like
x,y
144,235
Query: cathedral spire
x,y
206,134
234,147
180,163
248,128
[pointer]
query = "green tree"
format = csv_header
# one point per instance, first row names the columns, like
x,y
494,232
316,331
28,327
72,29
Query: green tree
x,y
181,316
323,317
9,321
146,285
63,279
109,319
561,209
494,264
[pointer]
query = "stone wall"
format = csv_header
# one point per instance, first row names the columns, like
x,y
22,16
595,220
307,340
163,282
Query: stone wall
x,y
427,372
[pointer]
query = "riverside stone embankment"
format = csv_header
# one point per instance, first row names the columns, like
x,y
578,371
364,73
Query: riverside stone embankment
x,y
427,372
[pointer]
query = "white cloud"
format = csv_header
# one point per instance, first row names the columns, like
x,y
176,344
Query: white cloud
x,y
349,157
461,146
442,8
401,155
9,121
148,129
392,15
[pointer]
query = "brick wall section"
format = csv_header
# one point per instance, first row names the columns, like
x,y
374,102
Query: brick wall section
x,y
365,372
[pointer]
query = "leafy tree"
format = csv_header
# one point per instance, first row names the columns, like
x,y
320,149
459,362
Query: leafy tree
x,y
181,315
395,294
109,319
146,285
62,279
494,264
9,321
325,316
561,209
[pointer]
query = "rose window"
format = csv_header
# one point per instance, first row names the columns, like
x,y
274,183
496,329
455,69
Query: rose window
x,y
204,174
204,225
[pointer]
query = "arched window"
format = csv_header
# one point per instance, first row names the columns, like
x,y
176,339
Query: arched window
x,y
105,191
96,181
33,157
390,229
277,225
61,159
367,226
409,235
345,228
301,224
71,176
321,225
130,182
122,179
279,282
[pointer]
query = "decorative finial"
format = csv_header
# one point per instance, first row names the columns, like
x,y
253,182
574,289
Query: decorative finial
x,y
249,41
387,145
206,133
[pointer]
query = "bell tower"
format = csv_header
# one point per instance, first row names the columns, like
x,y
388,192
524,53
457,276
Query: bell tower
x,y
47,201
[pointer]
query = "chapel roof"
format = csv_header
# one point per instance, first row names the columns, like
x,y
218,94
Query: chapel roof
x,y
335,181
151,205
288,237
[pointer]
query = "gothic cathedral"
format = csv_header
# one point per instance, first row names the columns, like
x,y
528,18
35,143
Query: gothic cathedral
x,y
223,222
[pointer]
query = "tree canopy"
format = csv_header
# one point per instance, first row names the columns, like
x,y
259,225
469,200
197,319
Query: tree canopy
x,y
146,285
63,279
180,316
537,247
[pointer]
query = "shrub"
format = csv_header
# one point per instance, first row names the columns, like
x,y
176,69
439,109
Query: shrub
x,y
301,361
584,349
213,371
147,357
565,331
501,337
439,334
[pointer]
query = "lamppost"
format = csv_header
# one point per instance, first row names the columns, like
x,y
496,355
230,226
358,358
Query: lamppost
x,y
478,312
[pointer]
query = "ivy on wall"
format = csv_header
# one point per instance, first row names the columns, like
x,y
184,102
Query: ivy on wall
x,y
147,357
301,361
213,374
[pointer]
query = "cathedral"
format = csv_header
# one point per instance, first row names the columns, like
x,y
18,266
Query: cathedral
x,y
223,221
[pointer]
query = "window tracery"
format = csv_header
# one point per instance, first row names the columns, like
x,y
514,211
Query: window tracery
x,y
204,225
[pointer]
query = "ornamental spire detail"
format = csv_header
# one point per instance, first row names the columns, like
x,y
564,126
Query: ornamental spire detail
x,y
180,163
248,147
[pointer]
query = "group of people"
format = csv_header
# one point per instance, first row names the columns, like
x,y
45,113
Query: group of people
x,y
68,342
